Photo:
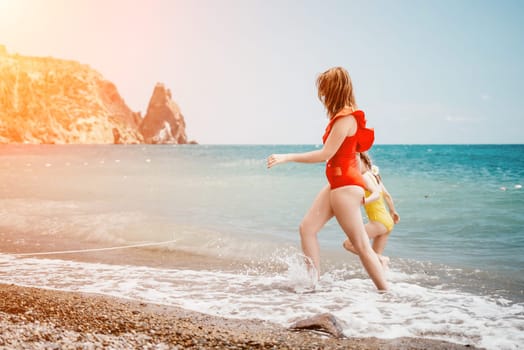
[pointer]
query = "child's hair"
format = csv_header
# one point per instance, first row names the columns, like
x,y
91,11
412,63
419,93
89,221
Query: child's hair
x,y
335,90
364,157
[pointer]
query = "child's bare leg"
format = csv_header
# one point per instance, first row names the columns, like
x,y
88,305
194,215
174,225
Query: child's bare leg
x,y
384,260
379,243
349,247
379,233
374,230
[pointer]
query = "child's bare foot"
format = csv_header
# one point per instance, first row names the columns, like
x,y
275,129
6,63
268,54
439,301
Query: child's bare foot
x,y
384,260
349,247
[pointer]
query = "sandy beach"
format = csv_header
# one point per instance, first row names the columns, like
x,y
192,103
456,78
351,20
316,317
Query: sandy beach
x,y
32,318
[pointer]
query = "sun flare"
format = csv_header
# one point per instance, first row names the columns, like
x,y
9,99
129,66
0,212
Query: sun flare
x,y
6,7
5,4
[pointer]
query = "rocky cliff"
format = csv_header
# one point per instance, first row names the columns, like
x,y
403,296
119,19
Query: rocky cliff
x,y
163,123
48,100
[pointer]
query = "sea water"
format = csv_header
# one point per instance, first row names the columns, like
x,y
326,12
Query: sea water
x,y
227,229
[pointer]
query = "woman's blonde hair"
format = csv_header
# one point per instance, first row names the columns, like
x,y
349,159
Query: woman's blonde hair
x,y
335,90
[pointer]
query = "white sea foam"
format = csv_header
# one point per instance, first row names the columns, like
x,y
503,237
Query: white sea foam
x,y
407,310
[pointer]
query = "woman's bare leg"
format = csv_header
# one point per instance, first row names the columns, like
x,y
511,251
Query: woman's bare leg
x,y
316,217
345,203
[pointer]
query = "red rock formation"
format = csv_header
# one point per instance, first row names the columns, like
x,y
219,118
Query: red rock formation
x,y
163,123
48,100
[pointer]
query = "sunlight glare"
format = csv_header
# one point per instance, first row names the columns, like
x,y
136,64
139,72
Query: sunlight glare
x,y
10,12
5,7
4,4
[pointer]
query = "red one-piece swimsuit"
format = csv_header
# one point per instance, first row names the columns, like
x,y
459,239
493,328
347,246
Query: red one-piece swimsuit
x,y
343,169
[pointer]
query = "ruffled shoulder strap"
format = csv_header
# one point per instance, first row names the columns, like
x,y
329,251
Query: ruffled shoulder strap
x,y
344,112
365,136
360,117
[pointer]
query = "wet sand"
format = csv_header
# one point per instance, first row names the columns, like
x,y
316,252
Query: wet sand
x,y
32,318
161,256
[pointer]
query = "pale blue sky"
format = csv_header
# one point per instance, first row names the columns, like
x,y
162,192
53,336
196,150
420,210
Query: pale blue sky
x,y
243,71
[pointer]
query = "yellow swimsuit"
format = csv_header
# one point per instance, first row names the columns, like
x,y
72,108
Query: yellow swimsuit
x,y
376,211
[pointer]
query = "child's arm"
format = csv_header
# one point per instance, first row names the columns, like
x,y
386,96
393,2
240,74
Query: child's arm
x,y
371,187
391,205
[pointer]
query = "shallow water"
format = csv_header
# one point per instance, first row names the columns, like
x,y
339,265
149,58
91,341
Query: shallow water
x,y
456,256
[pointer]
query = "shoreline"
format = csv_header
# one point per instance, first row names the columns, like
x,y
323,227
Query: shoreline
x,y
33,318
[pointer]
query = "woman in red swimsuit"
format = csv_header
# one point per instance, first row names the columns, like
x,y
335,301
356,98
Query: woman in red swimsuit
x,y
346,135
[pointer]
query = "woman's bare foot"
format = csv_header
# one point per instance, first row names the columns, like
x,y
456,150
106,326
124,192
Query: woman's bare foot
x,y
349,247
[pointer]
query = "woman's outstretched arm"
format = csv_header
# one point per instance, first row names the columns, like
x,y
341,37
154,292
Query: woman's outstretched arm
x,y
340,131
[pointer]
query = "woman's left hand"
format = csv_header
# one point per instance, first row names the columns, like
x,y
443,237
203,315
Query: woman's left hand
x,y
275,159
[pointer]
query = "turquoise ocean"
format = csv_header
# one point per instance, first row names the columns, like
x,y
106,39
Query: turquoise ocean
x,y
226,230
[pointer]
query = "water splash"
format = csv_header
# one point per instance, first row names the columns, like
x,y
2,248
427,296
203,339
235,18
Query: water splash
x,y
408,309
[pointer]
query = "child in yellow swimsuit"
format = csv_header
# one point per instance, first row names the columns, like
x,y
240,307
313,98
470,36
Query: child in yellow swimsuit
x,y
381,220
